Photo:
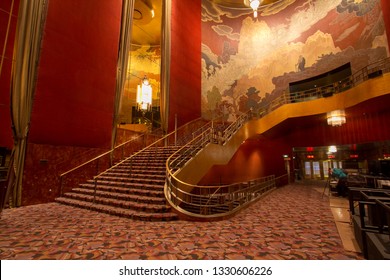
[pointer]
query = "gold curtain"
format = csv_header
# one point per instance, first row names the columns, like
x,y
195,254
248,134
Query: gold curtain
x,y
123,61
165,63
28,37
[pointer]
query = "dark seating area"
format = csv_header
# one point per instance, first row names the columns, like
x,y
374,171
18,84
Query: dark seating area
x,y
370,216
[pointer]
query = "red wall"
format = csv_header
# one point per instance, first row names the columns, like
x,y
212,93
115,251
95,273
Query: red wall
x,y
76,80
256,158
185,71
366,122
386,16
72,114
5,119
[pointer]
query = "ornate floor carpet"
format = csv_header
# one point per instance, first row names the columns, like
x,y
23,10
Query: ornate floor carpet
x,y
292,222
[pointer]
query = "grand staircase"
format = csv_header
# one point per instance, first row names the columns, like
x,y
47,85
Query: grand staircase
x,y
133,188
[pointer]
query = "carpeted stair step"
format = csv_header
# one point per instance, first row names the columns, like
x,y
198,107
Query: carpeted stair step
x,y
142,165
130,174
148,159
124,190
121,212
146,207
134,188
128,170
128,185
129,180
123,196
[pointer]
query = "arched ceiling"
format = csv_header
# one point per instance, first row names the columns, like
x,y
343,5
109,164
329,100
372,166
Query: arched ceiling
x,y
147,26
147,29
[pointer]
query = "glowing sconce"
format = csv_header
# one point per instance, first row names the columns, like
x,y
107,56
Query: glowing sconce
x,y
336,118
332,149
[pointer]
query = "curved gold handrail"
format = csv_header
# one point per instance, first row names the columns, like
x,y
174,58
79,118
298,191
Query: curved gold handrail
x,y
210,201
181,195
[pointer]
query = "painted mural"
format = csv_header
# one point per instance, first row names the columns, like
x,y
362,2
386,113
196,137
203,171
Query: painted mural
x,y
247,61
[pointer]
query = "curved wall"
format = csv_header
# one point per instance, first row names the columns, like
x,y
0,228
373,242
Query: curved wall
x,y
304,124
247,63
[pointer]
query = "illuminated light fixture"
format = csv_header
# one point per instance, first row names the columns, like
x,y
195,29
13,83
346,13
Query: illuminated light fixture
x,y
144,95
336,118
152,11
332,149
254,4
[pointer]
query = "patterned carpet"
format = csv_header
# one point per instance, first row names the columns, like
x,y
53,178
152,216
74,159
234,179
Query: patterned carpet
x,y
292,222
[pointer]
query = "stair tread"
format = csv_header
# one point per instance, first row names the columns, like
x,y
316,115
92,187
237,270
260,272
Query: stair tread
x,y
122,212
124,189
132,175
147,207
134,188
115,195
125,184
131,179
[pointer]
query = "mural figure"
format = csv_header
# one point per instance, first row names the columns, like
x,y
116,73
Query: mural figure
x,y
213,98
253,98
242,103
227,51
211,66
230,91
301,64
227,111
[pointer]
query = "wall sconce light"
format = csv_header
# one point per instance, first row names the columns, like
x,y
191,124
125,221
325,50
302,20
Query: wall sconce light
x,y
336,118
144,95
332,149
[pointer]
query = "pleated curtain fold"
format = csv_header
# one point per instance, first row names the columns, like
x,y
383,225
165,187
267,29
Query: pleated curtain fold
x,y
27,46
123,64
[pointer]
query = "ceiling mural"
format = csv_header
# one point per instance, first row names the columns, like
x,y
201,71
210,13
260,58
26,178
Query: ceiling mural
x,y
248,61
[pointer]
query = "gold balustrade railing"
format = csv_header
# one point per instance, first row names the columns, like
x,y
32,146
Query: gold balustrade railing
x,y
219,201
